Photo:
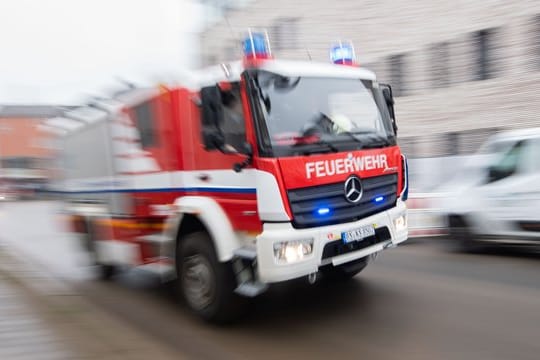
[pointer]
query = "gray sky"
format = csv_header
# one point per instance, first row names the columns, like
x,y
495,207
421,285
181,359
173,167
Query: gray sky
x,y
60,51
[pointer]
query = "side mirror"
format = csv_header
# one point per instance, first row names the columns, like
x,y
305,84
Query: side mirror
x,y
389,99
213,138
212,117
212,111
247,150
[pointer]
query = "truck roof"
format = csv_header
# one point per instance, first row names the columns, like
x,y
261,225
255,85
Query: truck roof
x,y
232,71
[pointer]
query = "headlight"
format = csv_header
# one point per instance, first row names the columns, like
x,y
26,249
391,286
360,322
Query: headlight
x,y
292,251
400,222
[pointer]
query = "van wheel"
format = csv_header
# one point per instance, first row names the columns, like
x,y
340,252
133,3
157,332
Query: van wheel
x,y
206,285
106,272
461,234
345,271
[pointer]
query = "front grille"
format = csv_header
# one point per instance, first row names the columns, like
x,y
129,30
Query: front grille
x,y
338,247
306,202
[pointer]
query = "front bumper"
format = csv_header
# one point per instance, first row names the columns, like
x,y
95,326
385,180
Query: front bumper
x,y
270,270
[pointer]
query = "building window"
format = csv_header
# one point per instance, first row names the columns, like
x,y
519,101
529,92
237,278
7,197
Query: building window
x,y
397,76
145,124
285,34
439,65
484,66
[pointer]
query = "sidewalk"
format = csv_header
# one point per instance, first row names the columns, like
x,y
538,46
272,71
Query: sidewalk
x,y
42,318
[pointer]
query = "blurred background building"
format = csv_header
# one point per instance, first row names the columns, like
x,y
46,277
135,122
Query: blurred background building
x,y
27,158
461,70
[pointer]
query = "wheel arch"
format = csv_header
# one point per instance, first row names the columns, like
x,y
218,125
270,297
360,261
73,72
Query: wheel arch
x,y
197,213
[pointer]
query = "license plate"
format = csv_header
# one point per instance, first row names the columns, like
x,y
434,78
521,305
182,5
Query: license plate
x,y
358,234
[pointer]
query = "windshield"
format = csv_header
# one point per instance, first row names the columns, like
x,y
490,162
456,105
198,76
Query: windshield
x,y
317,114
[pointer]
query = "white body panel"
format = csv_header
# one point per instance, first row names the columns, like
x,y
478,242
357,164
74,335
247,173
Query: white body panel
x,y
216,222
269,203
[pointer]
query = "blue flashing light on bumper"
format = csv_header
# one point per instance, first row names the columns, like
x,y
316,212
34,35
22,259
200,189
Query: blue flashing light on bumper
x,y
323,211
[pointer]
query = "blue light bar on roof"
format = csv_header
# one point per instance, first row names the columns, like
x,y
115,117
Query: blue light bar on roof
x,y
342,54
256,46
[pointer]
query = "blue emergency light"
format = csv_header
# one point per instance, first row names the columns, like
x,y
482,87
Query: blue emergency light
x,y
342,54
256,46
323,211
378,199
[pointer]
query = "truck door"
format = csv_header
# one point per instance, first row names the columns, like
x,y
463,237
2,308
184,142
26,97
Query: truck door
x,y
224,116
156,159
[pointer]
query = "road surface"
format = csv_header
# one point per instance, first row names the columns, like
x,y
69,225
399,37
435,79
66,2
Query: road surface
x,y
418,301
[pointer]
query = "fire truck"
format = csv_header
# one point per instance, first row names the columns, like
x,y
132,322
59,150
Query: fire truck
x,y
239,176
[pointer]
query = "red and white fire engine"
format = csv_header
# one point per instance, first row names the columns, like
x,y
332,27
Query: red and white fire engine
x,y
242,175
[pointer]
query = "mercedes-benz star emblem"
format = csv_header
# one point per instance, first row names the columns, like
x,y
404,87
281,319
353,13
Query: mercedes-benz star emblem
x,y
353,189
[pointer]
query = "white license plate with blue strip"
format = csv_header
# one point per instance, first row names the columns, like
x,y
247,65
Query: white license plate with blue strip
x,y
358,234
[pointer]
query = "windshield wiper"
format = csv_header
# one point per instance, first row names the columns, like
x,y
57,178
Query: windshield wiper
x,y
328,144
354,137
371,139
314,147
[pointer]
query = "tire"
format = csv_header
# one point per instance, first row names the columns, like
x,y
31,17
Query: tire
x,y
461,234
346,271
104,272
206,285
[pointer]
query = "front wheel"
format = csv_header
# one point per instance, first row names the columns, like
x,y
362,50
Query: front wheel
x,y
206,285
103,271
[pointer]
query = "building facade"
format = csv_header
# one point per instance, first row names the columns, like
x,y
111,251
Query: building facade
x,y
27,158
460,69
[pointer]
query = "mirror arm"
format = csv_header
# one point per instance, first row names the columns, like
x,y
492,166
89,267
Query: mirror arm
x,y
238,167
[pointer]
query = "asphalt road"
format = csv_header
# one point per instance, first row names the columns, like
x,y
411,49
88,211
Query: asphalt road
x,y
414,302
418,301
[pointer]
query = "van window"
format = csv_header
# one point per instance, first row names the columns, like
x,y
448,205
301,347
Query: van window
x,y
510,163
531,160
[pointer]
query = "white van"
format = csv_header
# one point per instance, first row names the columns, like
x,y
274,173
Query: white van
x,y
496,197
